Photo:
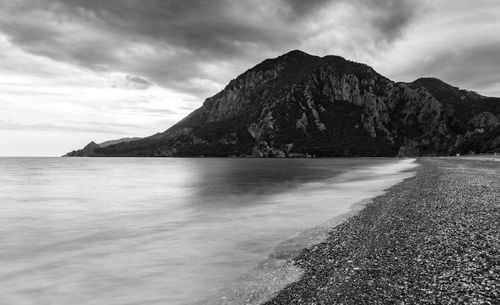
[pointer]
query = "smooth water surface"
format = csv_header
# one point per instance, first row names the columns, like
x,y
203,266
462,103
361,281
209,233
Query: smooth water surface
x,y
161,231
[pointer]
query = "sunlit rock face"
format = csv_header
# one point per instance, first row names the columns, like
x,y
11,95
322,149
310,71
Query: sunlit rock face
x,y
299,105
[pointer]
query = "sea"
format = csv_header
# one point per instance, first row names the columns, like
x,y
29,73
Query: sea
x,y
123,231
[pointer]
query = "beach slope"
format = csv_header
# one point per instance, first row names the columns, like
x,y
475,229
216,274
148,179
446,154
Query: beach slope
x,y
432,239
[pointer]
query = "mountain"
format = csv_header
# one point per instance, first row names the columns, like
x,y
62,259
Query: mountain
x,y
122,140
89,149
300,105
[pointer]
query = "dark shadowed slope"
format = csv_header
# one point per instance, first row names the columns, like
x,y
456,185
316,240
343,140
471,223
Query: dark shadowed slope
x,y
299,105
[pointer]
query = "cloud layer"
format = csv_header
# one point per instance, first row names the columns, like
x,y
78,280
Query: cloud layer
x,y
195,45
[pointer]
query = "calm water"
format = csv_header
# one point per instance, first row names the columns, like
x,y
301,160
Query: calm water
x,y
161,231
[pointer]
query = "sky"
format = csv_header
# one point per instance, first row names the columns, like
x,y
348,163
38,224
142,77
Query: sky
x,y
75,71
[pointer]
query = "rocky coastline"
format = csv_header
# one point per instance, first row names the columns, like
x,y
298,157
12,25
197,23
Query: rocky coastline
x,y
432,239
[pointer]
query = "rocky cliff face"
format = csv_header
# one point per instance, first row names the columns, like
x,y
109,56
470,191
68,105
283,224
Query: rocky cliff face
x,y
302,105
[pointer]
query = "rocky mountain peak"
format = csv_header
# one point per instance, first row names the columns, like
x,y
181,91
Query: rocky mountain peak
x,y
92,145
295,54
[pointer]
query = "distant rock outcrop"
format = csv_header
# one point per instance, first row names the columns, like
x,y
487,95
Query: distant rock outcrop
x,y
303,105
89,149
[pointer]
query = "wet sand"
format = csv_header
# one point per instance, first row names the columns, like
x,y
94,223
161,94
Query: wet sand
x,y
432,239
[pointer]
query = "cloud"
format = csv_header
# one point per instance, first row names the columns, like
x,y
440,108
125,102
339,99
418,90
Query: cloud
x,y
300,7
67,128
177,44
391,17
137,82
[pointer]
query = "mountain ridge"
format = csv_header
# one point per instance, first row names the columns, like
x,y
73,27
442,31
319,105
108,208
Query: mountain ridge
x,y
298,105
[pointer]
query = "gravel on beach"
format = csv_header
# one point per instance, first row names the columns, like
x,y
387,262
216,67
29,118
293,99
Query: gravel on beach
x,y
432,239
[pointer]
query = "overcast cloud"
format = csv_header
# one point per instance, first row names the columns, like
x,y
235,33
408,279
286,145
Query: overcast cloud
x,y
139,66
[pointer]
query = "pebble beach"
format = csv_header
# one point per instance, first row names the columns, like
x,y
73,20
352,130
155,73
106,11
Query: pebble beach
x,y
432,239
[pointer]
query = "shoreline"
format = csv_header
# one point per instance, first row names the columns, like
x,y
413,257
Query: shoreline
x,y
433,238
273,274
